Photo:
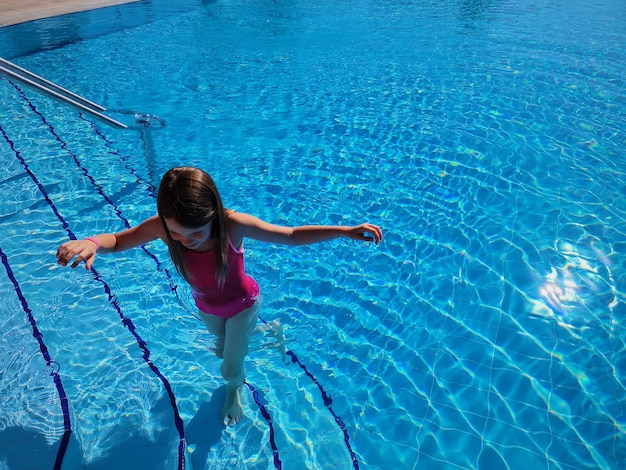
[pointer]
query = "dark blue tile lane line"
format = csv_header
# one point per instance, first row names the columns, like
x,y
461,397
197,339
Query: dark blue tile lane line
x,y
328,401
326,398
53,365
257,399
127,322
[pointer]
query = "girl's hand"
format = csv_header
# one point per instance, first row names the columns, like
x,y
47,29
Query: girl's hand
x,y
83,250
366,232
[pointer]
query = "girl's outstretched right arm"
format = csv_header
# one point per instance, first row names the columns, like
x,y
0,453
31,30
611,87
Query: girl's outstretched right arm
x,y
76,251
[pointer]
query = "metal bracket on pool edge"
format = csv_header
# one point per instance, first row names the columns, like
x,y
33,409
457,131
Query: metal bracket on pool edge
x,y
55,91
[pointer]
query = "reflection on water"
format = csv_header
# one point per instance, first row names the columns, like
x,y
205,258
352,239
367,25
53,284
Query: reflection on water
x,y
583,288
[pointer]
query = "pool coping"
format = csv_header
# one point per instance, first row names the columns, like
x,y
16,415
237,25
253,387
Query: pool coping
x,y
14,12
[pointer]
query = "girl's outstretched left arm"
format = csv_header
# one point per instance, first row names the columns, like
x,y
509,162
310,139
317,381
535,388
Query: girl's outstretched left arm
x,y
247,226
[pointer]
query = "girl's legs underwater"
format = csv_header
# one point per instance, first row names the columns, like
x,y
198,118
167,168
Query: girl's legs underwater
x,y
215,325
233,339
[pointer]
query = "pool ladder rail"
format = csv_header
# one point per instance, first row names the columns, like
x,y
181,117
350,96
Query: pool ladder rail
x,y
56,92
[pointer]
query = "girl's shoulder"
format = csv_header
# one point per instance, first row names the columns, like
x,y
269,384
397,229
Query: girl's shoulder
x,y
237,220
235,223
155,227
232,215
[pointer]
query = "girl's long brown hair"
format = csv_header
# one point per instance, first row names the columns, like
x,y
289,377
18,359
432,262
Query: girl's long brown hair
x,y
189,196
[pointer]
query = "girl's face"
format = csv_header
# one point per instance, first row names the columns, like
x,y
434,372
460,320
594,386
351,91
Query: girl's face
x,y
196,239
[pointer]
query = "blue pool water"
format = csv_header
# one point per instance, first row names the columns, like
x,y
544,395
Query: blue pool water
x,y
487,331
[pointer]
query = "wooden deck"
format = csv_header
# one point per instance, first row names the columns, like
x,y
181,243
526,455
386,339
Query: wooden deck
x,y
20,11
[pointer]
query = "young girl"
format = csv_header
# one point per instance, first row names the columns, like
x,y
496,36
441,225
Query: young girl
x,y
205,242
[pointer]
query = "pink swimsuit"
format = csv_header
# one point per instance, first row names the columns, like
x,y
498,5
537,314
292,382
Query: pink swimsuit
x,y
240,291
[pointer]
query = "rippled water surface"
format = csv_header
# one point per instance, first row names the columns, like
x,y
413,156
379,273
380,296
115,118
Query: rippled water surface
x,y
486,331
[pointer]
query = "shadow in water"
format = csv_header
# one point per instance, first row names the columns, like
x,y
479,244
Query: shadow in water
x,y
22,449
133,448
126,448
204,431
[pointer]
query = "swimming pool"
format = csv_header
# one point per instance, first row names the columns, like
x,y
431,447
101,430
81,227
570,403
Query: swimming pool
x,y
485,137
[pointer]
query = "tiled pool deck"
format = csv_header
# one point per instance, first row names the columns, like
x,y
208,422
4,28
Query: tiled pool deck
x,y
20,11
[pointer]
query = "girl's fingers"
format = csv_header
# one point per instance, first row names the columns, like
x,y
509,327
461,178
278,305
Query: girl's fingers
x,y
372,233
369,233
77,261
65,254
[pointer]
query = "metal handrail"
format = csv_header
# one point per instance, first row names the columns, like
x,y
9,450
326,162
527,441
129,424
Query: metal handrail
x,y
55,91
